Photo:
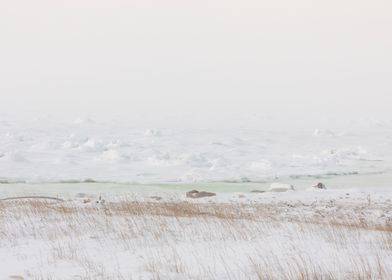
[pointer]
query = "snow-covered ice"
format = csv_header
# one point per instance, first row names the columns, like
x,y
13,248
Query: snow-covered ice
x,y
119,151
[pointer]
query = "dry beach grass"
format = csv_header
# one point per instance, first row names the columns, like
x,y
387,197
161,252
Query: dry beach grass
x,y
130,239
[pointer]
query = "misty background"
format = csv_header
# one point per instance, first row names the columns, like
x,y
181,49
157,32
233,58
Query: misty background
x,y
196,59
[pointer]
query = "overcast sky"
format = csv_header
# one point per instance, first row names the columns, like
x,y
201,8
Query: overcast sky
x,y
153,56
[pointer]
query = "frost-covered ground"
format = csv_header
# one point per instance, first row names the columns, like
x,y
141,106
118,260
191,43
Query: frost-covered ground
x,y
332,234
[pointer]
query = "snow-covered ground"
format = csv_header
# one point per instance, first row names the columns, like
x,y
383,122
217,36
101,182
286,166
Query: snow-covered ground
x,y
316,234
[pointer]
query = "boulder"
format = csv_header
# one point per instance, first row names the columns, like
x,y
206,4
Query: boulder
x,y
320,186
197,194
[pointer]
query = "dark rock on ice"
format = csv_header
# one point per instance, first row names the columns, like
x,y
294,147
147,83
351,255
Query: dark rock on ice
x,y
320,186
197,194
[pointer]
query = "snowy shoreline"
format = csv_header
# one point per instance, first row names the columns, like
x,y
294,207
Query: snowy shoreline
x,y
340,234
107,200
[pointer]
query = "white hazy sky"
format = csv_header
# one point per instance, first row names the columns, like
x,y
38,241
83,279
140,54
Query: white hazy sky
x,y
154,56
